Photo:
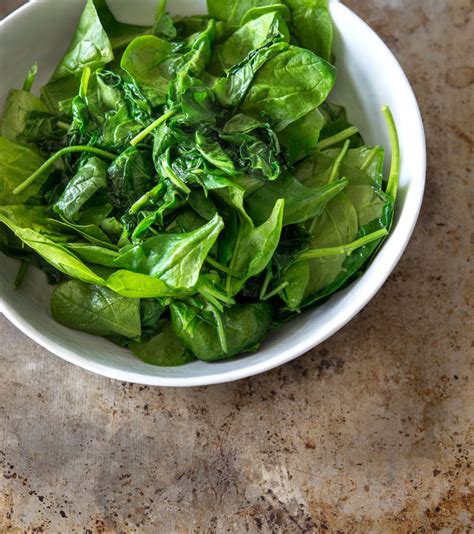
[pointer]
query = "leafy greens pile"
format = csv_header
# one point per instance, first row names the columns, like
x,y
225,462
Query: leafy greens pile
x,y
187,186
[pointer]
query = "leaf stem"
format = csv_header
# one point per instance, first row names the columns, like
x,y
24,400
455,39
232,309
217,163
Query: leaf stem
x,y
277,290
21,273
86,76
221,267
394,176
63,125
221,331
143,200
170,174
337,138
52,160
30,78
144,133
265,285
343,249
337,163
369,159
209,292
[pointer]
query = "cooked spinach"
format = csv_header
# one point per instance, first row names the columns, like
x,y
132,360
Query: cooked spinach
x,y
186,185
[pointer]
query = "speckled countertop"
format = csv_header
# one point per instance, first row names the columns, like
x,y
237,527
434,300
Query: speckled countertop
x,y
369,432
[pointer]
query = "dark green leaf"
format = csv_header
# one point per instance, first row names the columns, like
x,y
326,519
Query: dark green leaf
x,y
244,327
164,349
289,86
95,310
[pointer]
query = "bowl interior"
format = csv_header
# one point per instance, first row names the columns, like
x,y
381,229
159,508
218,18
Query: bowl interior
x,y
368,77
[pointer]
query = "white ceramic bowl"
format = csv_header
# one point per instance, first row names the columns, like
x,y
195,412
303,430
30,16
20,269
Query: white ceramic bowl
x,y
369,76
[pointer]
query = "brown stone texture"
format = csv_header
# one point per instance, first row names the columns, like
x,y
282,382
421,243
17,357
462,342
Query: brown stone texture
x,y
369,432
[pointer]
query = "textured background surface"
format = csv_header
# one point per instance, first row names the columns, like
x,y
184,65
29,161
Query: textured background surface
x,y
369,432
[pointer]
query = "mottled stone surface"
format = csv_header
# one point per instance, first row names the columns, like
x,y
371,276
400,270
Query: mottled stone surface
x,y
370,432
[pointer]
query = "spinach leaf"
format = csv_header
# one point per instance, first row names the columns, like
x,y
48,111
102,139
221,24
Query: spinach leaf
x,y
130,177
89,179
255,247
135,285
301,137
312,25
17,163
18,106
54,253
96,310
176,259
146,60
151,311
249,37
164,349
95,254
301,203
244,328
231,89
234,10
91,232
289,86
90,46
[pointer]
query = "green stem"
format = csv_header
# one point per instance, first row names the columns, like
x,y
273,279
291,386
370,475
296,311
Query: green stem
x,y
221,332
52,160
221,267
277,290
86,76
343,249
144,133
63,125
394,176
338,138
265,285
337,163
30,78
208,291
169,173
21,273
143,201
369,159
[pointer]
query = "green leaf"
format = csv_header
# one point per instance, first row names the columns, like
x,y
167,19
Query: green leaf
x,y
95,310
301,137
90,46
214,153
58,94
288,87
129,177
54,253
90,178
244,328
164,349
312,25
301,203
230,90
18,105
234,10
151,311
176,259
249,37
95,254
147,60
17,163
136,285
255,247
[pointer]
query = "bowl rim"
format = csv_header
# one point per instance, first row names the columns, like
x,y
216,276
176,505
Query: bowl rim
x,y
306,344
